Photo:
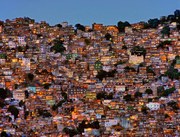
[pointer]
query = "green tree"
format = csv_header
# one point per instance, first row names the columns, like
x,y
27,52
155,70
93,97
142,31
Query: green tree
x,y
128,98
30,76
124,47
163,44
20,49
26,94
121,26
173,105
80,27
153,23
21,103
70,131
138,50
65,96
46,85
3,93
148,91
4,134
14,111
144,110
149,69
165,30
58,46
108,37
58,25
137,94
172,73
87,41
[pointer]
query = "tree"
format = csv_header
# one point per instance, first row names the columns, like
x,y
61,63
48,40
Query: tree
x,y
124,47
44,113
30,76
65,96
166,115
95,124
104,95
165,30
3,93
172,73
160,89
87,41
70,131
149,69
173,105
171,18
167,92
59,104
2,104
58,46
103,74
4,134
80,27
163,44
153,23
138,50
26,94
20,49
128,69
137,94
121,26
144,110
21,103
58,25
177,13
14,111
148,91
108,36
128,97
46,85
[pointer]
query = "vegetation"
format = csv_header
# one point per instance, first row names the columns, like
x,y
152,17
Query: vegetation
x,y
58,46
30,76
103,74
44,113
14,111
121,25
148,91
108,37
153,23
165,93
128,98
172,73
104,95
87,41
165,31
173,105
163,44
80,27
137,94
4,93
144,110
59,104
138,50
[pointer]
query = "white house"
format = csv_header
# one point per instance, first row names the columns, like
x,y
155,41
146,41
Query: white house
x,y
153,106
19,95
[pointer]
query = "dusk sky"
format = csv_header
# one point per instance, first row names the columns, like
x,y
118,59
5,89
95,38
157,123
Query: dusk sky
x,y
86,12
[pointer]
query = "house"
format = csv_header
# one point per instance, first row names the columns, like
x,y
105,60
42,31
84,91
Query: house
x,y
153,105
19,94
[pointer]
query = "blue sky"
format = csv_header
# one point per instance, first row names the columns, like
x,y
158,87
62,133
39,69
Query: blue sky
x,y
86,12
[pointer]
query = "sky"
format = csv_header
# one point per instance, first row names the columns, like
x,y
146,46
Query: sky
x,y
86,12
